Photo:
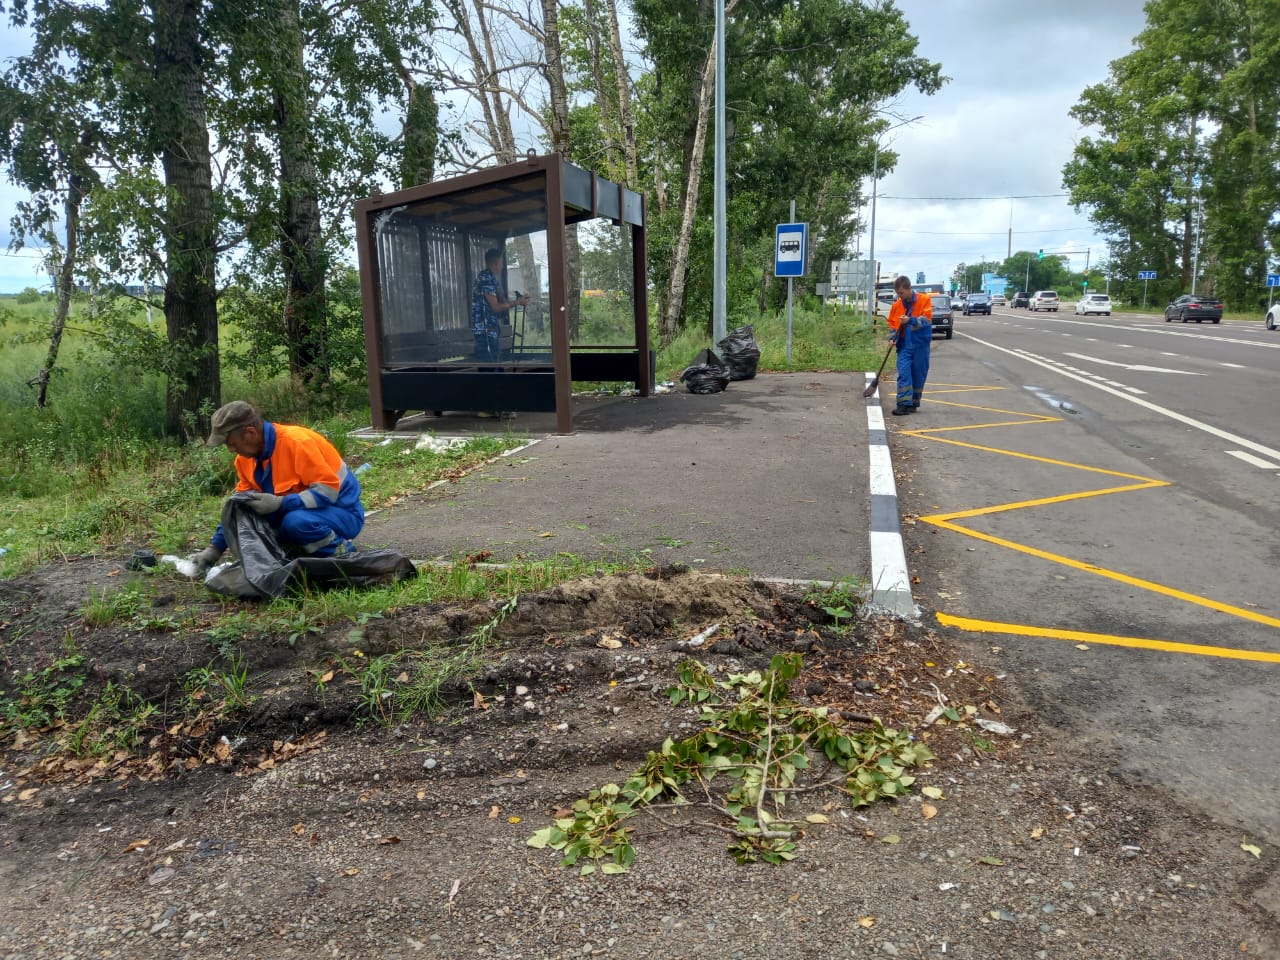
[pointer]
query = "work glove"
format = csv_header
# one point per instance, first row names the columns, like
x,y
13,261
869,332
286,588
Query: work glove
x,y
263,503
205,559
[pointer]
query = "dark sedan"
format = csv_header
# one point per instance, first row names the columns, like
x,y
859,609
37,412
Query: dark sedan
x,y
1199,309
943,322
977,303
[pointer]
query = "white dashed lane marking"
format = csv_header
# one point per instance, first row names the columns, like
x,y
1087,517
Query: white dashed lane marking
x,y
1250,459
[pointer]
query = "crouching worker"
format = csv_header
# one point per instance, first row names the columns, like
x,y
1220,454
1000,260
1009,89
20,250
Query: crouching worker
x,y
293,478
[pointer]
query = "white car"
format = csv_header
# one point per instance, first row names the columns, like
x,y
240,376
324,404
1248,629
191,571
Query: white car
x,y
1273,318
1094,303
1044,300
997,300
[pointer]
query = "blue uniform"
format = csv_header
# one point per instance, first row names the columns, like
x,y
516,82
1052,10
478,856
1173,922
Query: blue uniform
x,y
914,331
484,320
321,511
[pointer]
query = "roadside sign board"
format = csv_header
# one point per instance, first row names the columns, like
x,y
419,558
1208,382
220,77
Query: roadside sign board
x,y
1273,279
920,277
1146,274
790,251
851,275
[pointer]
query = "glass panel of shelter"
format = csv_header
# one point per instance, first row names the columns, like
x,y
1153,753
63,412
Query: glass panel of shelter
x,y
430,257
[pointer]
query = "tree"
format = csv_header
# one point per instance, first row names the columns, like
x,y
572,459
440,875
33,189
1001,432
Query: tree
x,y
142,72
309,80
805,84
49,144
1188,118
179,133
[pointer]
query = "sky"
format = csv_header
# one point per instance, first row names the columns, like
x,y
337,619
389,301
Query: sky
x,y
998,128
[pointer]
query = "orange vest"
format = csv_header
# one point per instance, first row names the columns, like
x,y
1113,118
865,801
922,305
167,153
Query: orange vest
x,y
922,308
299,459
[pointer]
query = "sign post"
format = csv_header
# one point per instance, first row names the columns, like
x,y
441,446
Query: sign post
x,y
790,253
1145,276
1273,281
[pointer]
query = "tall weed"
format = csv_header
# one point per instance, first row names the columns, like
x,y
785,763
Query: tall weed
x,y
820,340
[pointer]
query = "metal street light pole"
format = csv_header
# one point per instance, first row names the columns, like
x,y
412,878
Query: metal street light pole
x,y
719,292
874,271
875,183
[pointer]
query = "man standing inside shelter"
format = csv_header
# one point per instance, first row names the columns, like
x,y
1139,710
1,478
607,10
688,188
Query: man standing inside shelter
x,y
911,331
489,306
293,477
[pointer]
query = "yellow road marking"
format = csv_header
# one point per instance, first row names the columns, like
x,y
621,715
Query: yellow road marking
x,y
960,388
946,521
1080,636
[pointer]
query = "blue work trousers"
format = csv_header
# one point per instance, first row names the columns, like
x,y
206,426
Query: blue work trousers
x,y
915,337
318,532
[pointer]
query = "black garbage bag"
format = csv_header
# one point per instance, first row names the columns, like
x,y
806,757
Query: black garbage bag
x,y
264,569
741,352
707,373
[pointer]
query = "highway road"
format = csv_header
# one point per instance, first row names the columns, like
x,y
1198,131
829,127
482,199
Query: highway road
x,y
1091,504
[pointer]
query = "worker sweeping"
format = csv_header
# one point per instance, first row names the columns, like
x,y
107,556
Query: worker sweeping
x,y
291,477
911,331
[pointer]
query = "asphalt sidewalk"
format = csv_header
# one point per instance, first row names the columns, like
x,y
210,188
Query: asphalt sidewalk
x,y
769,477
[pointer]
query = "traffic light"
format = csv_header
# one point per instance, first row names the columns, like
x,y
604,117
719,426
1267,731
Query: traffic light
x,y
1040,255
1086,284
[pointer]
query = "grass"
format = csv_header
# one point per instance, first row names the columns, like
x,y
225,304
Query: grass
x,y
454,582
92,472
831,339
408,683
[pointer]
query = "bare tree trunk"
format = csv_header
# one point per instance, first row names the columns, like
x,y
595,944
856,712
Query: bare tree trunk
x,y
559,127
76,191
497,119
1189,218
613,156
673,311
301,244
421,134
626,116
180,126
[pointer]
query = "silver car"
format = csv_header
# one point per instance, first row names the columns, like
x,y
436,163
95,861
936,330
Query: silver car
x,y
1044,300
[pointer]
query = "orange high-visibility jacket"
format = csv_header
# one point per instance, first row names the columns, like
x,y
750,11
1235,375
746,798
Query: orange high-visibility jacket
x,y
922,309
299,463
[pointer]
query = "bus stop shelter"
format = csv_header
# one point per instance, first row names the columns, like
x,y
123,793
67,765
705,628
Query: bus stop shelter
x,y
420,250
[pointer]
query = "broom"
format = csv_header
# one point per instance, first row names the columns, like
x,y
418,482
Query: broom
x,y
876,382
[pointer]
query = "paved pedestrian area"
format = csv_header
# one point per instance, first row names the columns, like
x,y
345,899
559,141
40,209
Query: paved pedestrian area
x,y
768,478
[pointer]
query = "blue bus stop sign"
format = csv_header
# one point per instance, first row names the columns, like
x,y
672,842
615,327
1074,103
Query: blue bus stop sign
x,y
1273,279
791,250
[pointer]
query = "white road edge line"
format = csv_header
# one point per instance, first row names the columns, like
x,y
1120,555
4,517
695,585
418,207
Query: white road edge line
x,y
1253,461
1153,407
890,579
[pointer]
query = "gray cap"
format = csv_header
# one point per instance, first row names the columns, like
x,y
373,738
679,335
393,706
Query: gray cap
x,y
229,418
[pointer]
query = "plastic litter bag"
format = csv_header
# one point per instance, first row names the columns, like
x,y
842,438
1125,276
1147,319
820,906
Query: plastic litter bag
x,y
707,373
741,352
265,571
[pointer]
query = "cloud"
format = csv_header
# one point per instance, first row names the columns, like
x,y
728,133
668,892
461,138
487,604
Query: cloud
x,y
999,128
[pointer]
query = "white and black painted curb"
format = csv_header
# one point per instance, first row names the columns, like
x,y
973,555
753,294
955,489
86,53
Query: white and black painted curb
x,y
890,580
